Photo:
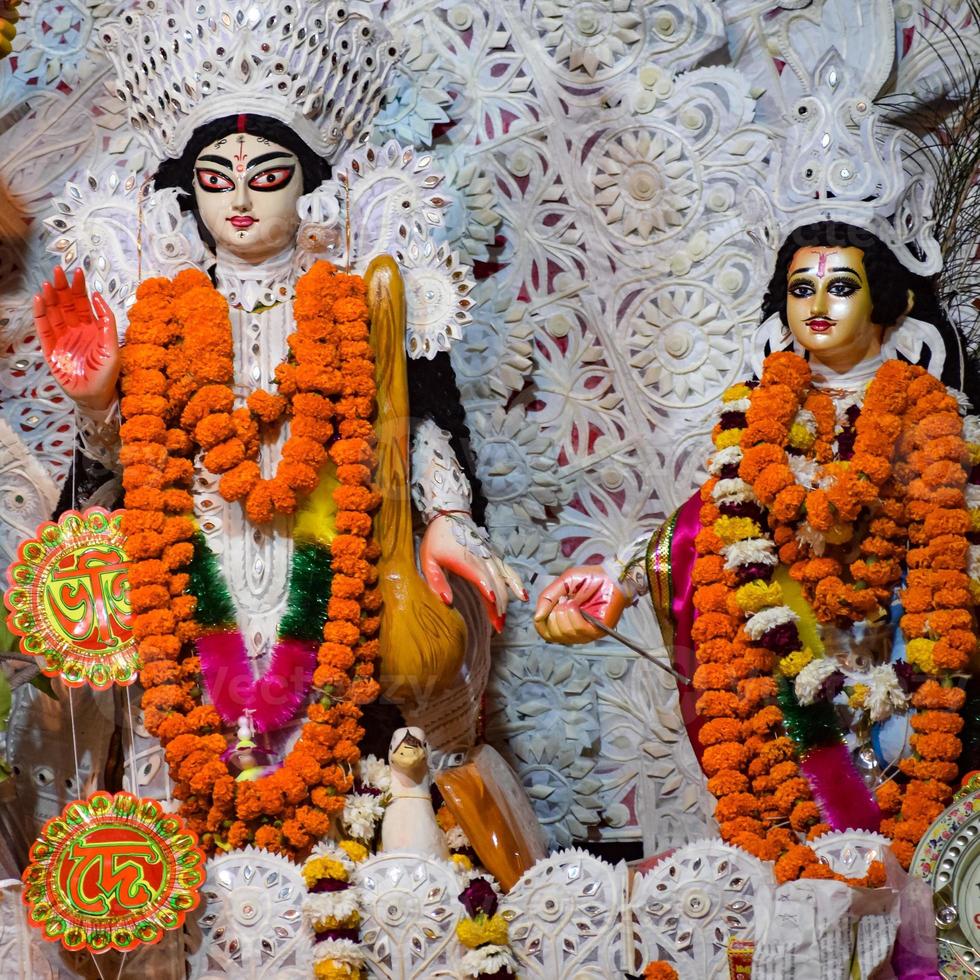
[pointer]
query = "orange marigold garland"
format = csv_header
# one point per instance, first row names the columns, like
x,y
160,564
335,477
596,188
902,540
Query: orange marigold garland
x,y
758,512
179,337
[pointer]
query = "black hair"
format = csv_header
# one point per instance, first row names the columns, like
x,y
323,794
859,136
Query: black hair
x,y
179,172
433,393
889,282
888,279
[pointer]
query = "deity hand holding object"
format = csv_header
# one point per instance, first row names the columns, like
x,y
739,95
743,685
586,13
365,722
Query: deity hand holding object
x,y
78,339
820,582
586,588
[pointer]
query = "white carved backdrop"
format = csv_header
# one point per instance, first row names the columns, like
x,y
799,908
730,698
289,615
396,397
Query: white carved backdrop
x,y
593,179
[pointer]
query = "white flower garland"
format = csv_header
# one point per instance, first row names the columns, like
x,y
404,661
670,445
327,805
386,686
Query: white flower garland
x,y
343,951
809,681
329,905
362,814
376,773
729,456
808,535
804,469
807,419
456,839
752,551
737,405
885,694
488,960
733,490
766,619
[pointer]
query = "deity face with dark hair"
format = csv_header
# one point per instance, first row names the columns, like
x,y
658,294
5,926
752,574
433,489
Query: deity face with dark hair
x,y
829,307
246,188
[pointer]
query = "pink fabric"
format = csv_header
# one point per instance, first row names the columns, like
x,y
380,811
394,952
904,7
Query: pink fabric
x,y
273,698
916,954
682,557
845,802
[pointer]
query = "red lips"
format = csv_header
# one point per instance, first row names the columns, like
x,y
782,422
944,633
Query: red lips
x,y
243,221
819,325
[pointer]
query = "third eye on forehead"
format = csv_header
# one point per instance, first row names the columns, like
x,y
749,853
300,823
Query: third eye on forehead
x,y
251,164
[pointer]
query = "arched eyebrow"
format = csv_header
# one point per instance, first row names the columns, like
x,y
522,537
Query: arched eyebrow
x,y
836,268
266,157
220,161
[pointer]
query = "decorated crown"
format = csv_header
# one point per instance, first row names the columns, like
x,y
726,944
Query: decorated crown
x,y
319,68
841,161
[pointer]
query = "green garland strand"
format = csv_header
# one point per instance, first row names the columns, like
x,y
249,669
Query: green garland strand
x,y
310,584
809,726
214,604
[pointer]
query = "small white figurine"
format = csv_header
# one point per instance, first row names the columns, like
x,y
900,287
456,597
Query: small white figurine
x,y
409,823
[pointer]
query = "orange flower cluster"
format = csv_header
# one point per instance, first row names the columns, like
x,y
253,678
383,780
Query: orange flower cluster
x,y
176,397
659,970
938,606
750,765
310,381
916,514
800,862
834,591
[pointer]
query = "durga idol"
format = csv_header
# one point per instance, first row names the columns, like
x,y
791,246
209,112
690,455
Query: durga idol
x,y
258,412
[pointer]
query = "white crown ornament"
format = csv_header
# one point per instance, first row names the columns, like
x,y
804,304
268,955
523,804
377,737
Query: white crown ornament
x,y
320,68
841,161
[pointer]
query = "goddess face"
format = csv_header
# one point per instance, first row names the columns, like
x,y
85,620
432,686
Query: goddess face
x,y
246,189
828,305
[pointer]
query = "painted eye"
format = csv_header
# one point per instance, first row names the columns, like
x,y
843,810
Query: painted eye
x,y
271,180
211,180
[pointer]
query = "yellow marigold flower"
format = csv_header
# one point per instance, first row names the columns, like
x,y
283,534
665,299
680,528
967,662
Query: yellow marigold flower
x,y
730,437
975,518
476,932
919,654
736,392
732,529
319,868
860,692
356,852
975,590
800,437
335,970
758,595
839,534
462,861
790,666
973,452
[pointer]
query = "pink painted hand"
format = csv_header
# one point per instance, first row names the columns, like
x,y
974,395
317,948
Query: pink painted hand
x,y
453,543
558,617
79,343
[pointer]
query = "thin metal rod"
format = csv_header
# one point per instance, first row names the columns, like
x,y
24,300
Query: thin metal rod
x,y
635,647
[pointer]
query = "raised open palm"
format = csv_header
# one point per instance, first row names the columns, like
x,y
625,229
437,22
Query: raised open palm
x,y
80,346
